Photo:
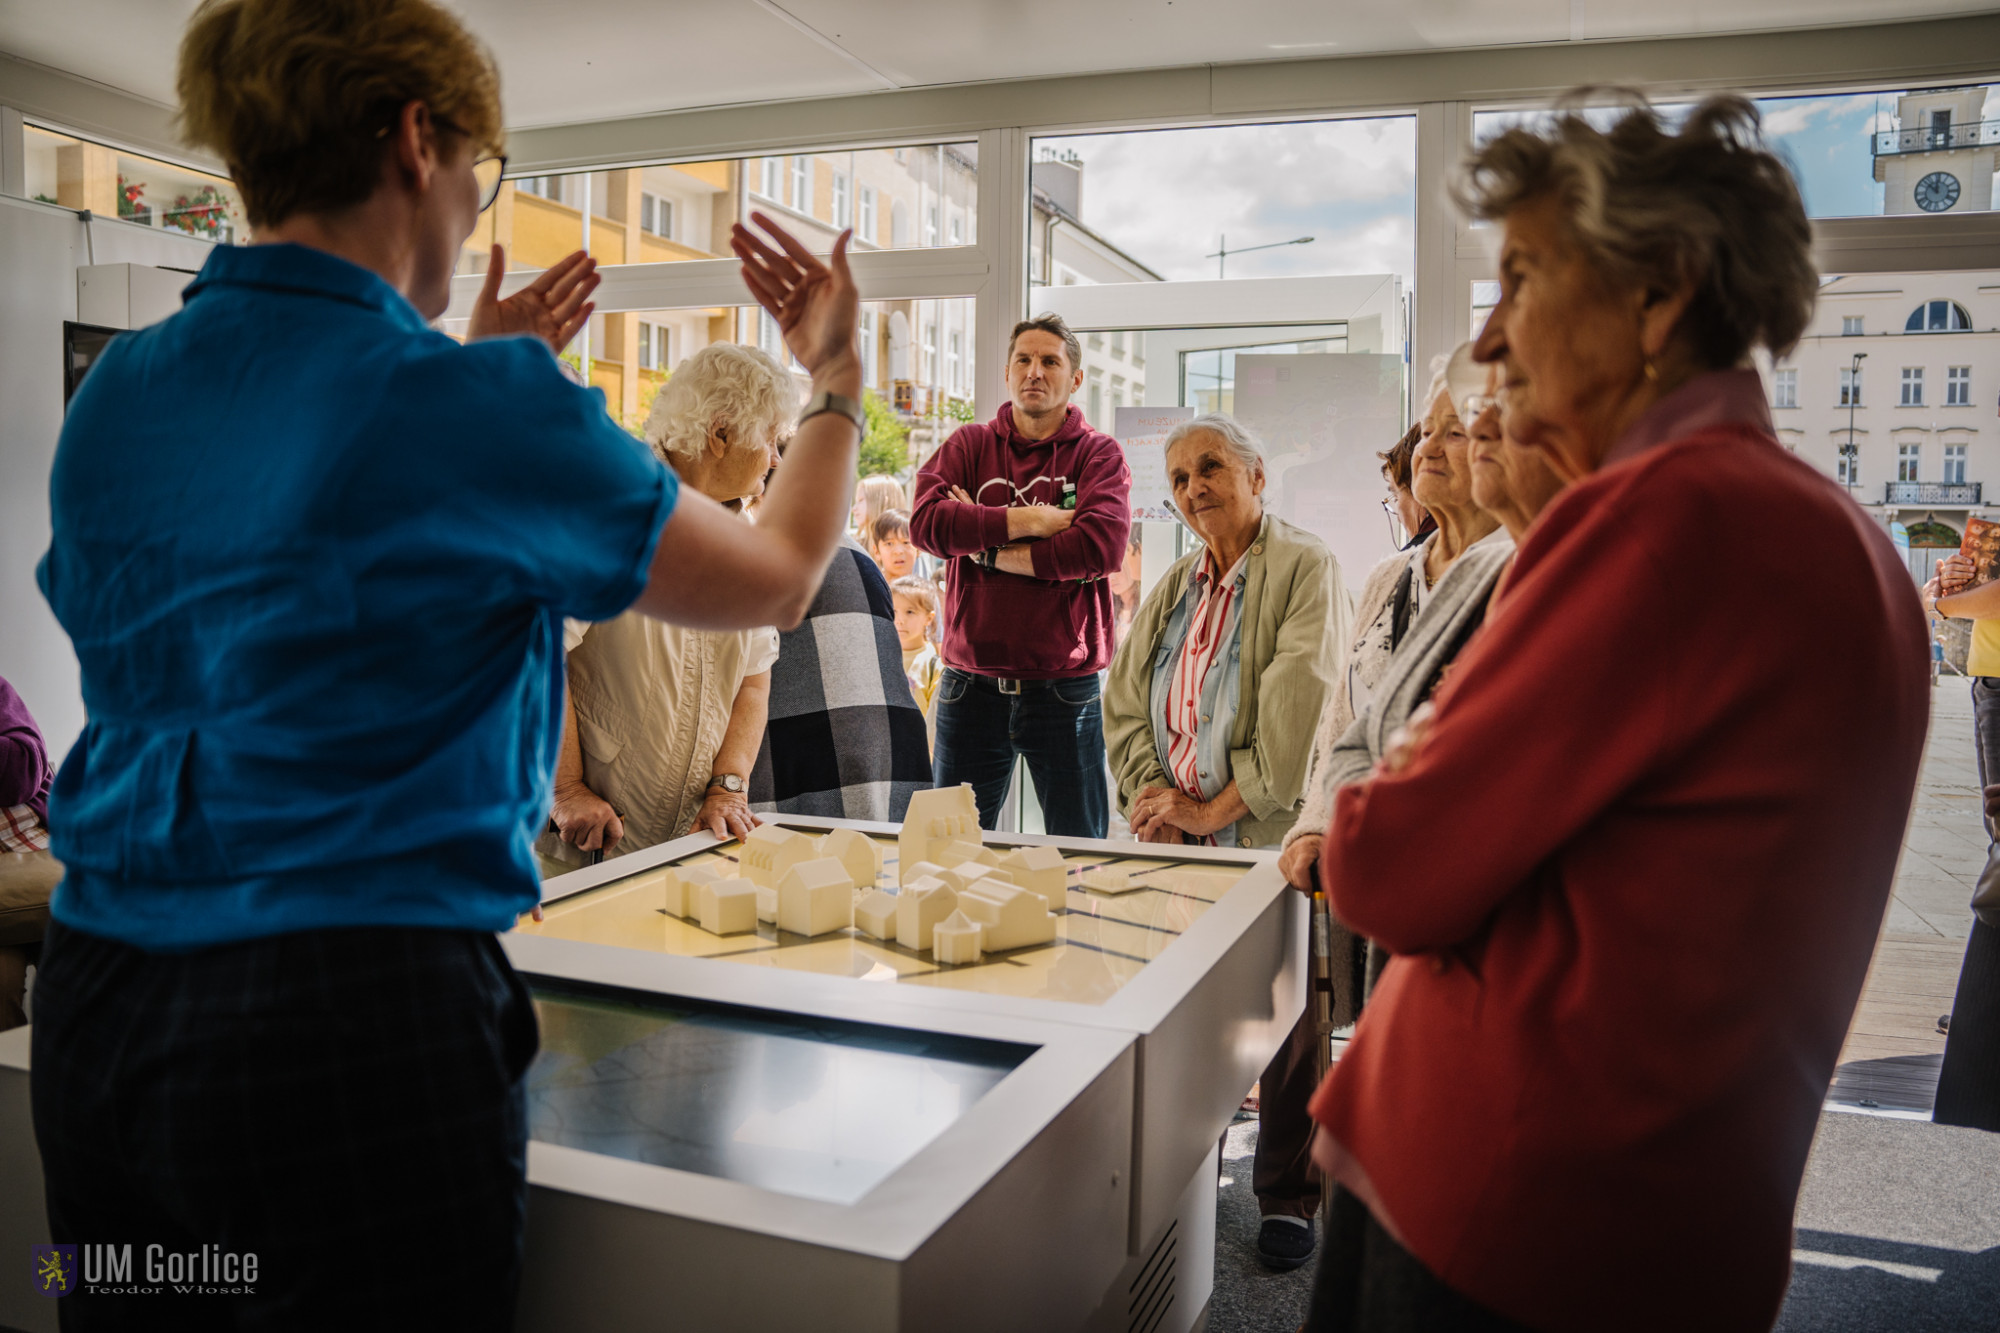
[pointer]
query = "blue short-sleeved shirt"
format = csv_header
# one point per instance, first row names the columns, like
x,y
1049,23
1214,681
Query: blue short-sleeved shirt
x,y
314,559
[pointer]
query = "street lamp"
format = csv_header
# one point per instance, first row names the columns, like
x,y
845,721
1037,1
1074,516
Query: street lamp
x,y
1222,255
1848,451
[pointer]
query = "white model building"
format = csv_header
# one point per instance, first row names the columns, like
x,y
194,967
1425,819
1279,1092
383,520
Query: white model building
x,y
816,898
957,939
967,873
936,819
770,851
875,915
1039,870
858,852
959,851
923,903
767,904
728,906
683,887
1010,917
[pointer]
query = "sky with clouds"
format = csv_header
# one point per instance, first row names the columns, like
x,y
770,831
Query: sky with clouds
x,y
1168,197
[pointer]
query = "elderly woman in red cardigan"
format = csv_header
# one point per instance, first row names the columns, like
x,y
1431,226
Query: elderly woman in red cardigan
x,y
1632,868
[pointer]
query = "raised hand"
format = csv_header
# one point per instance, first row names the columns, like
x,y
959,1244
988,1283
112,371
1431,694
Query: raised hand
x,y
815,304
554,307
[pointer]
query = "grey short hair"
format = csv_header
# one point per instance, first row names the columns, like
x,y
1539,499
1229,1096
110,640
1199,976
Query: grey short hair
x,y
725,385
1707,203
1241,442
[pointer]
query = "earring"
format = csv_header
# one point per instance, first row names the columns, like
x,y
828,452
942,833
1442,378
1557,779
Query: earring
x,y
1652,372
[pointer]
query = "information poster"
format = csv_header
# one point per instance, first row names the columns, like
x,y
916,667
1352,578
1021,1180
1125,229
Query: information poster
x,y
1323,418
1142,431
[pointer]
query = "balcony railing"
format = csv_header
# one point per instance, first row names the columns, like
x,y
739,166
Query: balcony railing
x,y
1931,492
1935,139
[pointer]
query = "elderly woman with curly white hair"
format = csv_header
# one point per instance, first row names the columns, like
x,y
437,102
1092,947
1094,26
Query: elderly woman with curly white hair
x,y
663,722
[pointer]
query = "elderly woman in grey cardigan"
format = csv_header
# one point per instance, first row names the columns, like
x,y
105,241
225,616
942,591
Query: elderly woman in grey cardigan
x,y
1511,484
1208,717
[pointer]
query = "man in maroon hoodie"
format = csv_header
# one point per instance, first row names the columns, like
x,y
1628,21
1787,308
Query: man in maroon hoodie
x,y
1031,512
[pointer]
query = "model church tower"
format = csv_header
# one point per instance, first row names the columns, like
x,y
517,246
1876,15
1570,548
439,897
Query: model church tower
x,y
1941,156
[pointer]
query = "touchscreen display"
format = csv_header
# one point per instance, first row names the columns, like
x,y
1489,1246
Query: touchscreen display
x,y
821,1109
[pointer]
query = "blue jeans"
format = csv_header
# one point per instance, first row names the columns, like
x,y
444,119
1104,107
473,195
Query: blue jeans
x,y
1056,725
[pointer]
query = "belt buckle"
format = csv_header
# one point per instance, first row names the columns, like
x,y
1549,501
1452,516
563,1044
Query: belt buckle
x,y
1008,686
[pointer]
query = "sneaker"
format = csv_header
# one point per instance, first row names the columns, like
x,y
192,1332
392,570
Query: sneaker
x,y
1283,1243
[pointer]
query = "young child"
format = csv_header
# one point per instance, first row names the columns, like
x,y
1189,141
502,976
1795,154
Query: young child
x,y
917,628
889,542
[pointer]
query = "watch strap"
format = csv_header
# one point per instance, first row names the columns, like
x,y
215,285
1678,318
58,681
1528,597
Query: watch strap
x,y
827,401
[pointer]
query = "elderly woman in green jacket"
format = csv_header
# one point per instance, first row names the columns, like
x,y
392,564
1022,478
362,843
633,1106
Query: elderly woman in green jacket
x,y
1212,698
1208,721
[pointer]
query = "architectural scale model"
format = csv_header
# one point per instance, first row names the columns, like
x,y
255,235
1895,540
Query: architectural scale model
x,y
728,906
1105,880
1039,870
957,939
922,904
815,898
959,851
1008,917
967,873
936,819
858,852
770,851
683,890
875,915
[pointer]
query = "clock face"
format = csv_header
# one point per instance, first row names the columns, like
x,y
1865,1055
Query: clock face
x,y
1937,192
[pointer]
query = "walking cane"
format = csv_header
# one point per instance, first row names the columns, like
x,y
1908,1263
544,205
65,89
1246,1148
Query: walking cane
x,y
1322,997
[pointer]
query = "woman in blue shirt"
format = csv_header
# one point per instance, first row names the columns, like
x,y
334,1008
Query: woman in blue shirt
x,y
317,602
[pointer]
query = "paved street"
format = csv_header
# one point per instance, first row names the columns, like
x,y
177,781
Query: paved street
x,y
1923,939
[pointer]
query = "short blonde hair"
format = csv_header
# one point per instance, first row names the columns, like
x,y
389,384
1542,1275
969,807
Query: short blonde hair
x,y
738,390
1707,204
294,95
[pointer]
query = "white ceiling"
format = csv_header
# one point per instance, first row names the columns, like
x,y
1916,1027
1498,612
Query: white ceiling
x,y
584,60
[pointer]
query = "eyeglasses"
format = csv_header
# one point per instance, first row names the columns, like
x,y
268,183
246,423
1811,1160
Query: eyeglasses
x,y
486,171
1397,536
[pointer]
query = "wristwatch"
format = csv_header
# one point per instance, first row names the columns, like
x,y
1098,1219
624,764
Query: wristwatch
x,y
988,558
826,401
729,782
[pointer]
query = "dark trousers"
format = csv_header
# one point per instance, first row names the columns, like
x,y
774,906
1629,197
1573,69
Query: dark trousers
x,y
1367,1283
1968,1091
346,1105
1282,1173
1056,725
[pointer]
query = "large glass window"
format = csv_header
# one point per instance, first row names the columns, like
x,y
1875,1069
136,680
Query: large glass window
x,y
1918,150
112,183
1913,386
1958,386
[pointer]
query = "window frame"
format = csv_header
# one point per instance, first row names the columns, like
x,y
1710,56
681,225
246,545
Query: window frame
x,y
1912,387
1450,255
1958,386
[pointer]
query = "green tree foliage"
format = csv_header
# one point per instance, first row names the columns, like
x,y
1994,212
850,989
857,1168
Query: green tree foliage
x,y
885,448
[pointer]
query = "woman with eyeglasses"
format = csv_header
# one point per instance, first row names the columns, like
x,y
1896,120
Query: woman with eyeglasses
x,y
317,605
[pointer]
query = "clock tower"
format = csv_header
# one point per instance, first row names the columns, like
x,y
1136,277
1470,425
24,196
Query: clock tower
x,y
1942,154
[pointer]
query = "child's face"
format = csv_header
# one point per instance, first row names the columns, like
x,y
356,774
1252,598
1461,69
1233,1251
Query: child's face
x,y
913,622
896,556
